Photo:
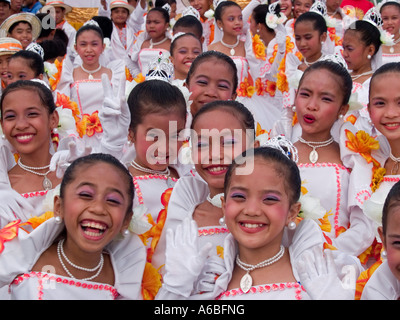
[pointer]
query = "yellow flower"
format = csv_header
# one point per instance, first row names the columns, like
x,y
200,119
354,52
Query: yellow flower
x,y
377,178
258,48
363,144
151,282
35,222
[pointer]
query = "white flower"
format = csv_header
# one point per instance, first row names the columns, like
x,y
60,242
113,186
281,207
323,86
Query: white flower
x,y
354,104
50,69
48,202
209,13
386,38
263,138
311,207
330,22
138,223
66,120
272,20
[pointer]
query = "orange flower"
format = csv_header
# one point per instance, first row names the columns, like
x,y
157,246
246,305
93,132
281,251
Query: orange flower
x,y
294,120
281,83
151,282
328,244
351,118
9,232
363,144
270,87
258,48
81,127
377,178
93,124
363,279
259,87
35,222
64,102
57,76
260,130
220,252
128,75
325,223
245,89
139,78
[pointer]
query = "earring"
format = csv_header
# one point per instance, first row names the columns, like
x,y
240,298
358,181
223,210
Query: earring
x,y
292,225
294,108
222,222
3,136
369,57
57,219
341,116
258,30
383,254
125,233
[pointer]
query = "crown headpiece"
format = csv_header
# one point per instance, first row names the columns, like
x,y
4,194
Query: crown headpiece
x,y
284,145
191,11
273,18
336,58
319,7
160,68
374,17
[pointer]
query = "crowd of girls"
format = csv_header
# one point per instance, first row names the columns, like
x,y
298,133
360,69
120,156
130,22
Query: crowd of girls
x,y
226,152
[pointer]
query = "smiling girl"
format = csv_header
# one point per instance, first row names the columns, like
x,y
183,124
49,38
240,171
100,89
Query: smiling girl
x,y
75,254
390,13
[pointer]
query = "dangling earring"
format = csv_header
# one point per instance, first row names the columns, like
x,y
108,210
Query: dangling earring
x,y
57,219
291,225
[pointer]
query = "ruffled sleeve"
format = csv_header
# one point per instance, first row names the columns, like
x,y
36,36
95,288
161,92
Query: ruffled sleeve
x,y
128,257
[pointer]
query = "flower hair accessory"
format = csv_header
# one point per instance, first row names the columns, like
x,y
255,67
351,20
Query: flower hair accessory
x,y
284,145
273,17
374,17
160,69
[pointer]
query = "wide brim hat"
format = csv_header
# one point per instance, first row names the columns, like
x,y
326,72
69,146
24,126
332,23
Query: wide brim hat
x,y
50,4
121,4
26,17
9,46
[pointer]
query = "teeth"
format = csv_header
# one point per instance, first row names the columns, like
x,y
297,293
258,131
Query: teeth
x,y
391,124
25,137
93,225
216,169
252,225
93,234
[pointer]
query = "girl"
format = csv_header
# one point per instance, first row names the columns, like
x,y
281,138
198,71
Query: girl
x,y
25,65
185,47
212,76
221,130
150,43
202,6
322,98
390,13
361,44
28,117
8,47
24,27
384,283
75,254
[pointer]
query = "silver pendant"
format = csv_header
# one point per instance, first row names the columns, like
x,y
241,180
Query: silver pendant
x,y
90,77
232,52
391,50
47,185
246,282
313,156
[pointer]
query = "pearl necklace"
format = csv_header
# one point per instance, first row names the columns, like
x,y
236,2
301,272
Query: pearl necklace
x,y
231,46
355,77
60,251
90,77
314,145
157,43
216,200
166,172
394,43
247,281
311,63
396,165
47,185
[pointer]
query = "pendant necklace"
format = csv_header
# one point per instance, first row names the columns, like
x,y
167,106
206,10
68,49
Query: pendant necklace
x,y
47,185
394,43
356,76
396,164
91,71
313,157
231,46
247,281
166,172
152,44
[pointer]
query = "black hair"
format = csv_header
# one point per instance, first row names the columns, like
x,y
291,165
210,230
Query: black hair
x,y
237,109
173,43
392,200
189,22
221,8
154,96
318,21
53,49
89,27
45,94
45,32
92,159
284,166
211,54
346,84
369,34
390,3
106,25
12,27
163,12
33,59
62,36
385,68
260,13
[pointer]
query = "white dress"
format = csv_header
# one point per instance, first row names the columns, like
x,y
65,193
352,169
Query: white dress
x,y
20,255
382,285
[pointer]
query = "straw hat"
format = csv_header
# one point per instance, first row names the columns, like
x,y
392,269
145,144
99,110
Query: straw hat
x,y
23,16
9,46
59,3
121,4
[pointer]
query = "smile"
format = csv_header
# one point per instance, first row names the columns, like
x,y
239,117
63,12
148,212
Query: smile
x,y
93,229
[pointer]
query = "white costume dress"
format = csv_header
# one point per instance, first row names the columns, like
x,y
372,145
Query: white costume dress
x,y
21,254
382,285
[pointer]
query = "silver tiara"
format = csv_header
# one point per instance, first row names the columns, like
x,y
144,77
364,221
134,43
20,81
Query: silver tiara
x,y
167,7
191,11
37,48
91,23
336,58
320,8
374,17
284,145
160,68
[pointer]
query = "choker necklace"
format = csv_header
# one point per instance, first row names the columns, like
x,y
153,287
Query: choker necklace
x,y
231,46
216,200
396,164
311,63
314,145
247,281
157,43
394,43
91,71
166,172
355,77
60,251
47,185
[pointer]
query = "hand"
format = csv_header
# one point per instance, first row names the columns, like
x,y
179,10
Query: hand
x,y
184,260
63,158
214,267
319,276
